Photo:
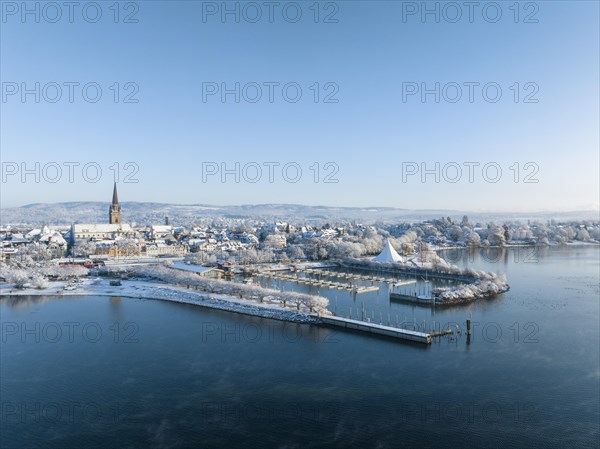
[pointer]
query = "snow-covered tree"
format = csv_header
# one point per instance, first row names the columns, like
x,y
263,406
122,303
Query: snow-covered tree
x,y
471,238
296,252
234,289
38,281
17,277
496,236
84,248
455,233
583,235
344,250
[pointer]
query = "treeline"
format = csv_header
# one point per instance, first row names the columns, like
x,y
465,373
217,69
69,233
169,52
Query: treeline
x,y
300,301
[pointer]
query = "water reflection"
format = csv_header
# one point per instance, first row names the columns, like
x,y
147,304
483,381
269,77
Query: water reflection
x,y
201,377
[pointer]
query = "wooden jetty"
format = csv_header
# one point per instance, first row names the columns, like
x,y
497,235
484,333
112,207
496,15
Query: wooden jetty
x,y
330,284
353,276
378,329
403,283
359,290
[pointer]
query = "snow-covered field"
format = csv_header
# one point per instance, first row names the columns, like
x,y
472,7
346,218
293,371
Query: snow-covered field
x,y
148,289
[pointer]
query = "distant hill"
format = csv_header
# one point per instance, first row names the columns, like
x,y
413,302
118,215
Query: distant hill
x,y
185,214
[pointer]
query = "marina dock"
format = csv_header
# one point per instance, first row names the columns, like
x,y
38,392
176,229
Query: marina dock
x,y
313,277
351,276
412,298
321,282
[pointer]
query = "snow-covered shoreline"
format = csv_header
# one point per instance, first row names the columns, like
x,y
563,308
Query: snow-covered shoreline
x,y
517,245
152,290
474,284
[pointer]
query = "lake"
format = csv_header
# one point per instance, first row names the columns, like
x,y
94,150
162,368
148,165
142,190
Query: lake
x,y
121,372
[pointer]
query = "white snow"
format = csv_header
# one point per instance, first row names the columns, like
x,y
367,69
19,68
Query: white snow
x,y
193,268
148,289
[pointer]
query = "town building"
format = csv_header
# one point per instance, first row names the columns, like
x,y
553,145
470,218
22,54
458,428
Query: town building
x,y
115,229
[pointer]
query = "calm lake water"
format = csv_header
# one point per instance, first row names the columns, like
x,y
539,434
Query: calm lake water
x,y
120,372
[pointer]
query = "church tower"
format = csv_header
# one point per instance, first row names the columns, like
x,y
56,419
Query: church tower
x,y
114,213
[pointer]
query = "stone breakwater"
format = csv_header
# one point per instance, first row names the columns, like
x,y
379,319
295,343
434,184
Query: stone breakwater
x,y
163,292
473,284
483,288
230,306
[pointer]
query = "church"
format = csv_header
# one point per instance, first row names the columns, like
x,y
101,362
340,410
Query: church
x,y
113,230
114,213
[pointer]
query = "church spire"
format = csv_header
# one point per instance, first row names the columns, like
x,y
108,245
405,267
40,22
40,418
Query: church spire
x,y
114,212
115,201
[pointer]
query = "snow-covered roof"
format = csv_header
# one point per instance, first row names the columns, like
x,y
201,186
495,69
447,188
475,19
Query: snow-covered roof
x,y
388,255
33,233
162,228
101,227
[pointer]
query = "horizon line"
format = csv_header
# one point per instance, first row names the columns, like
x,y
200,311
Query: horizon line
x,y
539,211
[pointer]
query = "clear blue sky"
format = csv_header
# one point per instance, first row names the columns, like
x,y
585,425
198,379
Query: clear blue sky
x,y
369,133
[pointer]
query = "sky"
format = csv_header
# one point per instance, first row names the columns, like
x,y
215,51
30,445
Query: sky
x,y
509,118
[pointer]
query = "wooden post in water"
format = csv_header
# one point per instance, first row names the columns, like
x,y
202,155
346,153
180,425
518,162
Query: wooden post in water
x,y
363,312
468,331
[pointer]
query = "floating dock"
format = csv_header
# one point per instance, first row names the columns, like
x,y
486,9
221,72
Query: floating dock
x,y
377,329
403,283
414,298
333,274
366,289
320,282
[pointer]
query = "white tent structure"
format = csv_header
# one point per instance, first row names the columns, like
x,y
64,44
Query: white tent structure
x,y
388,255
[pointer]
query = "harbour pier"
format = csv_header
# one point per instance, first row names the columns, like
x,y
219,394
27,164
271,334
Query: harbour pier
x,y
379,329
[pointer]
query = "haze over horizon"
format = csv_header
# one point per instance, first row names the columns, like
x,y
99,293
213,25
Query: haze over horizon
x,y
308,205
258,206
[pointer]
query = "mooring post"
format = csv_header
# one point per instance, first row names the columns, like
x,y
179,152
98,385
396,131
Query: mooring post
x,y
468,331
